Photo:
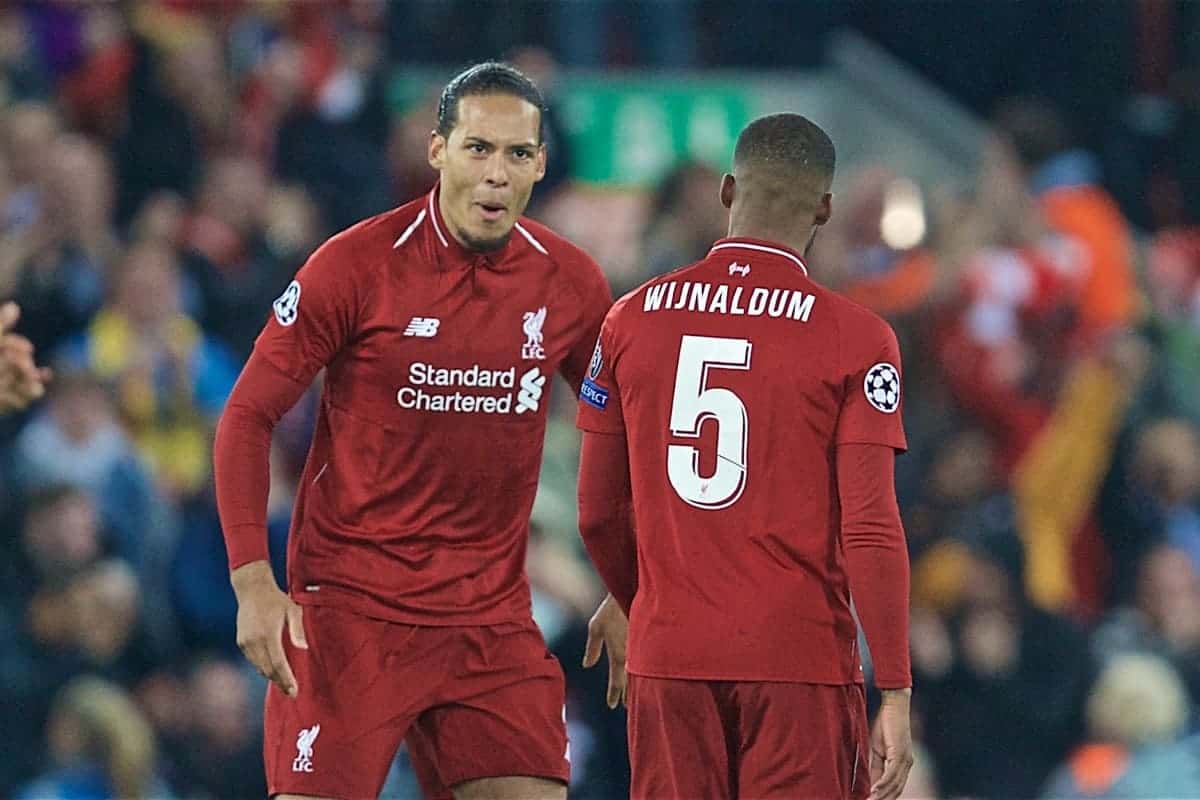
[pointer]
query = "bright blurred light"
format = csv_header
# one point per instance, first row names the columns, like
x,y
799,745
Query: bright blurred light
x,y
902,225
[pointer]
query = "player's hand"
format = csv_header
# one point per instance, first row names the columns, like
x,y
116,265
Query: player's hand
x,y
891,746
609,630
21,380
263,610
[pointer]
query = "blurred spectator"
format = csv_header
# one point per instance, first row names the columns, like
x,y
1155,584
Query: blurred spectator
x,y
685,220
1137,707
870,250
82,616
539,65
22,76
56,266
78,441
1164,618
1166,468
1001,684
658,33
159,146
241,246
1173,287
1033,137
201,594
170,378
101,747
216,748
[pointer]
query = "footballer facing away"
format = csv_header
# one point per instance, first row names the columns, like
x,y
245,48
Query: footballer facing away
x,y
736,490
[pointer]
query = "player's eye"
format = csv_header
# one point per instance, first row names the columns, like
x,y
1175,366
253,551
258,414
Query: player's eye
x,y
522,154
477,148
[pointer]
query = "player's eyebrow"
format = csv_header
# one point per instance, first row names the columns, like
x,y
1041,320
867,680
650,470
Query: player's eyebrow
x,y
486,143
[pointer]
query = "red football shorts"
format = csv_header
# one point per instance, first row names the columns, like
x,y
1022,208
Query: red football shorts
x,y
473,702
722,740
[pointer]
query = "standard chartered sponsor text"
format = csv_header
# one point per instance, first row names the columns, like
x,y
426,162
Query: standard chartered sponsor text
x,y
421,396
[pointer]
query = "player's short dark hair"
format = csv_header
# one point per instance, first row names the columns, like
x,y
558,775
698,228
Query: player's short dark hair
x,y
490,77
1034,127
790,144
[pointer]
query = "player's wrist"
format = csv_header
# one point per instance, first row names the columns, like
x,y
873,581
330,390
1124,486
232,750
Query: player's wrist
x,y
896,696
251,577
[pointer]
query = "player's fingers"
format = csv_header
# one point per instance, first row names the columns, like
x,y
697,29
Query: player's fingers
x,y
875,768
295,619
45,374
617,679
895,770
256,654
9,314
281,670
591,650
15,346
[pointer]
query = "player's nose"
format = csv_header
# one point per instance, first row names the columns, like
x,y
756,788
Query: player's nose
x,y
496,171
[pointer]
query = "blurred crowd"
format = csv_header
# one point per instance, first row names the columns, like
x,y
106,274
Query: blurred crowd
x,y
166,166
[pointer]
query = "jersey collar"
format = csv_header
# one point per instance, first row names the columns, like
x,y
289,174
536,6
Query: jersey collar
x,y
734,244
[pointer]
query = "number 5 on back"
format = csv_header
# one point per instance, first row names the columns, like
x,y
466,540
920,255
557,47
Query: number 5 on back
x,y
693,403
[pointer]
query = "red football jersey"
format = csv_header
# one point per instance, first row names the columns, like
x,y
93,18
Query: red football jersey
x,y
733,381
415,500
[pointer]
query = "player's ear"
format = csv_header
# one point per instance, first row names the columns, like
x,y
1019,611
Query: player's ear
x,y
727,190
541,162
437,150
824,209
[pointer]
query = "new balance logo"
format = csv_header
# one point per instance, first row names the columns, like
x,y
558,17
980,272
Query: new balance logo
x,y
739,269
530,396
425,327
304,749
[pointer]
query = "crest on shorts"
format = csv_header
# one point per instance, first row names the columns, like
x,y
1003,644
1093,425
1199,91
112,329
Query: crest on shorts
x,y
304,749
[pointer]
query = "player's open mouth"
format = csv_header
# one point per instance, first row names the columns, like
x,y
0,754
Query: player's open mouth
x,y
491,211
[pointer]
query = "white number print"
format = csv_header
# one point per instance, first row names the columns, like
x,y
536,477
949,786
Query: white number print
x,y
695,402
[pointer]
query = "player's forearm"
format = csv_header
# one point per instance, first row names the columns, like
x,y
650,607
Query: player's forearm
x,y
876,558
606,514
241,457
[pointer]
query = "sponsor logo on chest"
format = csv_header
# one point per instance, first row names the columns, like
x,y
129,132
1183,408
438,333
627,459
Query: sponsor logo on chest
x,y
476,389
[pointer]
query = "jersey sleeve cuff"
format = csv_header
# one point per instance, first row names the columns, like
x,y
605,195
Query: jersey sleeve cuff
x,y
245,543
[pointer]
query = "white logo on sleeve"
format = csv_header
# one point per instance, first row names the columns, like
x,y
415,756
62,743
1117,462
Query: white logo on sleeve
x,y
530,395
425,327
532,325
597,362
304,748
287,305
882,386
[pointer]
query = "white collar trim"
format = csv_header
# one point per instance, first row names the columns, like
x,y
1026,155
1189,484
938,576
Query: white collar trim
x,y
764,249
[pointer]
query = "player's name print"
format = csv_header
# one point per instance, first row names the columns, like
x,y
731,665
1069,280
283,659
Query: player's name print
x,y
736,301
522,394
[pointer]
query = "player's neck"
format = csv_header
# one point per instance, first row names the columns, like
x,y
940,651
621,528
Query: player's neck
x,y
787,236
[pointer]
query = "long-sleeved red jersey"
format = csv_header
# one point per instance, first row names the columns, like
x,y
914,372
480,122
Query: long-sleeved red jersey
x,y
756,406
414,503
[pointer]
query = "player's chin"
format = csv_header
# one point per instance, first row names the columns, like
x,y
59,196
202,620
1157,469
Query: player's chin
x,y
483,239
